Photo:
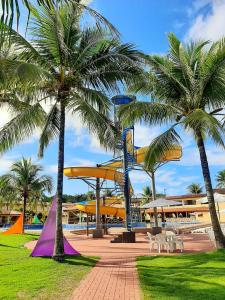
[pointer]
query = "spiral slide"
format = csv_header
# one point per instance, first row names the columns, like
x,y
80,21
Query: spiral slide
x,y
109,172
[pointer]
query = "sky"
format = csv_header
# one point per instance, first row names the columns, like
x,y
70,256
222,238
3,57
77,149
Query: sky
x,y
145,23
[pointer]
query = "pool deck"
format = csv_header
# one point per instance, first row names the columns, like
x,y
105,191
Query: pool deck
x,y
115,275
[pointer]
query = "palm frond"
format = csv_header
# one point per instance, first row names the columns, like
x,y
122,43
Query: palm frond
x,y
21,126
98,124
150,112
207,124
160,146
11,8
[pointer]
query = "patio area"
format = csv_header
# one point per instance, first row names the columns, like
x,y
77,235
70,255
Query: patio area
x,y
115,275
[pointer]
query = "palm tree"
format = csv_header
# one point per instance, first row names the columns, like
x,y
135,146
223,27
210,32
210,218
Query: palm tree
x,y
24,179
220,178
188,87
194,188
108,193
79,67
147,192
147,195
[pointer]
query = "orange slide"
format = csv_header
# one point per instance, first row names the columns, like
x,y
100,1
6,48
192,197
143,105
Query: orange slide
x,y
16,228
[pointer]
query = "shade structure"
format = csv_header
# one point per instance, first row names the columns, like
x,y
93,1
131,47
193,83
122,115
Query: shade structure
x,y
219,198
161,203
45,244
16,228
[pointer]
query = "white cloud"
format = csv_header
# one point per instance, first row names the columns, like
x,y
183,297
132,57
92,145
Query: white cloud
x,y
51,169
78,162
143,135
197,5
86,2
209,25
81,162
216,156
6,162
166,180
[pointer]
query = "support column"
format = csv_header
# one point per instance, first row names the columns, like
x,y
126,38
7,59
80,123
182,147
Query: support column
x,y
98,232
126,185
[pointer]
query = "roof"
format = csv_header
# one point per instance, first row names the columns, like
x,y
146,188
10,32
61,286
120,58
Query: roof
x,y
160,202
10,213
193,196
179,209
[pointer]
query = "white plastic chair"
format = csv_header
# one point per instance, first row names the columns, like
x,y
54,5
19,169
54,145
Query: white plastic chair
x,y
162,241
178,240
175,241
151,241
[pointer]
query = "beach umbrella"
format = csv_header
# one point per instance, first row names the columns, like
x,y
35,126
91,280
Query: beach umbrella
x,y
161,203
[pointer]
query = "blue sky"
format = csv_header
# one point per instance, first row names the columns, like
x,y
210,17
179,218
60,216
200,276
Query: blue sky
x,y
146,24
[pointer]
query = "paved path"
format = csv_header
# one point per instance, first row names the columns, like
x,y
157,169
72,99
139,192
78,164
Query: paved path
x,y
115,276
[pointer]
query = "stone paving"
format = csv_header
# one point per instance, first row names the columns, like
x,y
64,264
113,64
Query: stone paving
x,y
115,275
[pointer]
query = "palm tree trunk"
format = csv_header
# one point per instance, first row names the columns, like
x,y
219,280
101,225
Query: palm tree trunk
x,y
24,209
219,237
59,244
154,198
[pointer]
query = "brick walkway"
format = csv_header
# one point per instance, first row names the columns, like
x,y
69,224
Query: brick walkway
x,y
115,276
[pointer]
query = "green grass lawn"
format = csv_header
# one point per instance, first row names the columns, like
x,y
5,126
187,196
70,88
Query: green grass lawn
x,y
196,276
24,277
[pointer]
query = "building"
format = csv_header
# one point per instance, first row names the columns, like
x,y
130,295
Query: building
x,y
191,209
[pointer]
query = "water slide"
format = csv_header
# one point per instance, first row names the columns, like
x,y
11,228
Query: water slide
x,y
110,172
103,173
104,209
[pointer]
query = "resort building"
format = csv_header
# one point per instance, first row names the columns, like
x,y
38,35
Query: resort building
x,y
191,209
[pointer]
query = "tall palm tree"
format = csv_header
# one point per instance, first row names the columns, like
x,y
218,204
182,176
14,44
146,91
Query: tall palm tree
x,y
188,88
79,66
24,179
220,178
194,188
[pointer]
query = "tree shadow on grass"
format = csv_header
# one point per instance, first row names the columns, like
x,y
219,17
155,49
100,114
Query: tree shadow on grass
x,y
183,277
80,260
77,260
8,246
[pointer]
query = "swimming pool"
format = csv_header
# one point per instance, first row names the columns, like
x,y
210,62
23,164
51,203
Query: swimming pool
x,y
78,226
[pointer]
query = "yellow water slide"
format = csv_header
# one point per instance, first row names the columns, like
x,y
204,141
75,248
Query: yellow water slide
x,y
109,172
104,210
103,173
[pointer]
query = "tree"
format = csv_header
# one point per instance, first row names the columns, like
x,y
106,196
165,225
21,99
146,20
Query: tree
x,y
108,193
147,195
194,188
188,88
220,178
79,66
24,179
